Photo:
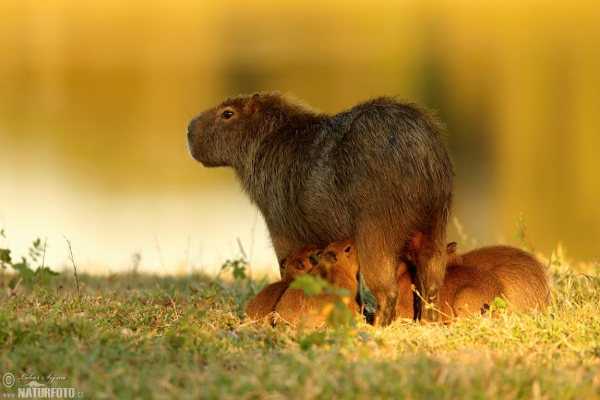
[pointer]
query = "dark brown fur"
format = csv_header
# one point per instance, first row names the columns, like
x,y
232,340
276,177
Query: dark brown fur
x,y
339,267
263,304
379,172
526,282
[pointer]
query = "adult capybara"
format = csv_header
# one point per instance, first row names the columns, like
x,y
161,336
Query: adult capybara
x,y
338,265
263,304
379,172
526,282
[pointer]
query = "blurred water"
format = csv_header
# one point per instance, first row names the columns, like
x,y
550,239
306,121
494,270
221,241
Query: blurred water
x,y
95,98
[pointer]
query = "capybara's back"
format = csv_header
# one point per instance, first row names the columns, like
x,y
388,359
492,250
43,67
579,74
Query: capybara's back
x,y
379,172
265,301
468,291
526,281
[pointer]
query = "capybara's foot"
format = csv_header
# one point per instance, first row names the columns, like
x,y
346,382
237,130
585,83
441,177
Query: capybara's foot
x,y
430,312
369,315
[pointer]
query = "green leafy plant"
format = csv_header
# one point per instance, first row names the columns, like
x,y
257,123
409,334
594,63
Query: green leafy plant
x,y
311,285
336,312
25,268
498,305
237,268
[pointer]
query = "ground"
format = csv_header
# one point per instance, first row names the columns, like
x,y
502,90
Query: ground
x,y
138,336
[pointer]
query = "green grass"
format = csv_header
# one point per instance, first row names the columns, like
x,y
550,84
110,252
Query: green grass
x,y
136,336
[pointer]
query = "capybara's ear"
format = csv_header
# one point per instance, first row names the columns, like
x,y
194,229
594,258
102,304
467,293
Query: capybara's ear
x,y
253,104
450,248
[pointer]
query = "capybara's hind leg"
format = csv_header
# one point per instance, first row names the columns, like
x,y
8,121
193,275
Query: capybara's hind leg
x,y
430,270
378,268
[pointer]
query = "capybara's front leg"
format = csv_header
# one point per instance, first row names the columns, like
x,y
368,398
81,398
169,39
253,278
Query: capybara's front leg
x,y
378,267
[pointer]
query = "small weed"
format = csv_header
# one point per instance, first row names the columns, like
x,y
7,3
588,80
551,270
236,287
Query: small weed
x,y
237,268
337,311
498,305
26,268
521,233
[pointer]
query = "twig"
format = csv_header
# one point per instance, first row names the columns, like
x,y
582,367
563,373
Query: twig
x,y
74,267
174,306
277,318
254,321
162,262
252,236
245,258
43,261
274,316
430,305
460,230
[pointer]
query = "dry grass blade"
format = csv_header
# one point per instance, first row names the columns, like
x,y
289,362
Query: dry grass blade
x,y
71,258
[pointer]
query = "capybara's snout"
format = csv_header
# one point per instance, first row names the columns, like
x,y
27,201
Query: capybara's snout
x,y
191,129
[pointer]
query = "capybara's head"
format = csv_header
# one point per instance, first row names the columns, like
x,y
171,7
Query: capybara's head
x,y
342,254
220,133
225,135
299,262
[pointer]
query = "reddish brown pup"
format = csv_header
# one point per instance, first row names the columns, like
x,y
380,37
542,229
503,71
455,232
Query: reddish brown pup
x,y
474,279
263,304
339,267
466,291
526,282
379,172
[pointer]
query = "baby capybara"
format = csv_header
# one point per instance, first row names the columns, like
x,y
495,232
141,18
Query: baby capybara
x,y
263,304
474,279
379,172
339,267
526,282
466,291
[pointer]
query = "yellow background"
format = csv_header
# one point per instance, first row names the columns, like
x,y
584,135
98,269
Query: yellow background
x,y
95,98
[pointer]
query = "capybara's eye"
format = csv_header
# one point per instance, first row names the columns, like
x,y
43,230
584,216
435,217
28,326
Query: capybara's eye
x,y
347,249
227,114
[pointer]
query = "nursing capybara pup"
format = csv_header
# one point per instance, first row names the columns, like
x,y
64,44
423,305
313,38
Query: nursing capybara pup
x,y
526,282
474,279
263,304
379,172
338,265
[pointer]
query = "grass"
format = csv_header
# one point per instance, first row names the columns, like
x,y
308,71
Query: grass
x,y
137,336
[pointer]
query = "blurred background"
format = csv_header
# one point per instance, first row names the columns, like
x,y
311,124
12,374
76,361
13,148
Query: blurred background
x,y
95,98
